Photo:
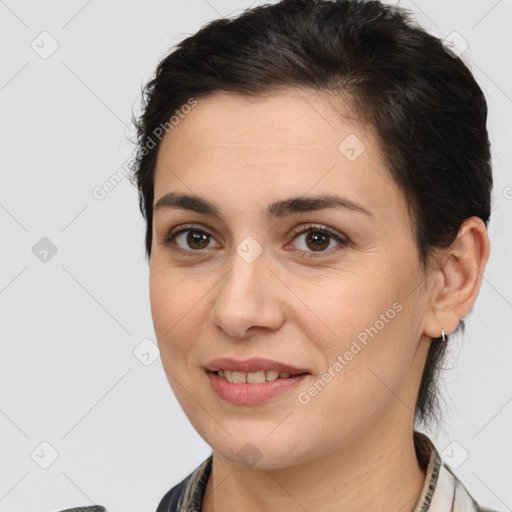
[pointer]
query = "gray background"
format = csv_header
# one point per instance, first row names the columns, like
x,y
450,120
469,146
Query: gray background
x,y
79,369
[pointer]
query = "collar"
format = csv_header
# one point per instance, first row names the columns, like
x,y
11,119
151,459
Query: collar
x,y
442,491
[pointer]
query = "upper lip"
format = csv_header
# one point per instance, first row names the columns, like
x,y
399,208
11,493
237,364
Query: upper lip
x,y
251,365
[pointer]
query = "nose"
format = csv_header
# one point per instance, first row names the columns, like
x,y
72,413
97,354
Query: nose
x,y
248,297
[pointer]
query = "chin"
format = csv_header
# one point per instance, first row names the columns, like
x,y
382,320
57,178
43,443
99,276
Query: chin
x,y
255,448
250,456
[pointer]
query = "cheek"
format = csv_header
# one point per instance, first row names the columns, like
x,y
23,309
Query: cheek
x,y
361,329
169,306
340,309
178,310
163,304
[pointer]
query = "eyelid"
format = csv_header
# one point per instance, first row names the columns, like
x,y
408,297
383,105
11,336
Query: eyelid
x,y
168,238
311,227
342,240
187,227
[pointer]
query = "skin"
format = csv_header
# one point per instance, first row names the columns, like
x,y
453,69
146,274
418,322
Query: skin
x,y
351,447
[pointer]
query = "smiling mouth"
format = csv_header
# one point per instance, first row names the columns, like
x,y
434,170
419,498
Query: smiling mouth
x,y
257,377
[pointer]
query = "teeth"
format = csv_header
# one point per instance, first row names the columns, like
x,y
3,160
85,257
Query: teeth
x,y
238,377
252,377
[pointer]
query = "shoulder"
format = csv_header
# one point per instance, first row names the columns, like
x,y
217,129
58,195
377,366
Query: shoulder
x,y
92,508
461,498
187,494
442,490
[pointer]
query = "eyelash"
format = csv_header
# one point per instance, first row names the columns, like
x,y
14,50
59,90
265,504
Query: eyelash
x,y
305,254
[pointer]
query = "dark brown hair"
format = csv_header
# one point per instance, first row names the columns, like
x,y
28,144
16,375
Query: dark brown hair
x,y
421,101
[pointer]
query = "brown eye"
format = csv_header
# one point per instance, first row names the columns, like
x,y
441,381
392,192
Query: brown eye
x,y
189,239
318,239
197,239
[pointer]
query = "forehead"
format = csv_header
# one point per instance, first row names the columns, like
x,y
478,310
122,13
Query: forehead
x,y
287,118
287,123
291,141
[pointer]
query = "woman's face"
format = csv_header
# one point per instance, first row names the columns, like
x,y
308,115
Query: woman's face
x,y
336,292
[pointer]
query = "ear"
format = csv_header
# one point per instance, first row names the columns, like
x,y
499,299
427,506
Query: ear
x,y
456,282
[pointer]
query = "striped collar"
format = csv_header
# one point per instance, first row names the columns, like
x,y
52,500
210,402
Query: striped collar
x,y
442,491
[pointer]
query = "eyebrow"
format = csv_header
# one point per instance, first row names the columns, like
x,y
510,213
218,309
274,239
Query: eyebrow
x,y
274,210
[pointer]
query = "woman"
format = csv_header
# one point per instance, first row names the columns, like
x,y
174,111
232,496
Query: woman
x,y
316,211
316,181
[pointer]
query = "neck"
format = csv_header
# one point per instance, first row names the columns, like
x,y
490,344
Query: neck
x,y
378,472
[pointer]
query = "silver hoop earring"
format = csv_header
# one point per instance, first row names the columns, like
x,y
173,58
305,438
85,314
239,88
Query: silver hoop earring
x,y
442,334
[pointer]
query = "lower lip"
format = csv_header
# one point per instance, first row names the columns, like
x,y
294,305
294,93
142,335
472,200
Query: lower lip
x,y
251,394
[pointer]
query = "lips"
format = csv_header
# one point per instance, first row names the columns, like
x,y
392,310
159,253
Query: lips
x,y
253,393
252,365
